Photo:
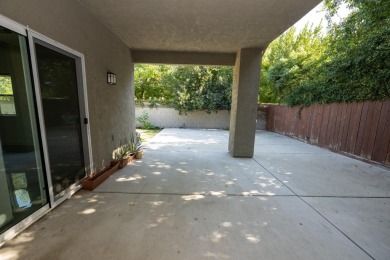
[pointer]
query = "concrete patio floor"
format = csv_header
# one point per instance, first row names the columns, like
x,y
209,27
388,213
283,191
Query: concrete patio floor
x,y
189,199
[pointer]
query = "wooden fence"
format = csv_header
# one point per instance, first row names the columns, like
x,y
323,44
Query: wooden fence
x,y
361,129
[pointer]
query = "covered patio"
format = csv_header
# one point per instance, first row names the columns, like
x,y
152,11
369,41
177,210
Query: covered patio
x,y
189,199
102,40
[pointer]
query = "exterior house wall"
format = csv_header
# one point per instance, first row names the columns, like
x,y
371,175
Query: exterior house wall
x,y
111,108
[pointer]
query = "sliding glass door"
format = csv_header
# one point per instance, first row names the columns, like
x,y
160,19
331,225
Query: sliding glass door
x,y
44,132
63,120
22,184
61,113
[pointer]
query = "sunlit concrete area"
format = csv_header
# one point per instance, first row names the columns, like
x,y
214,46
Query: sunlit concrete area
x,y
189,199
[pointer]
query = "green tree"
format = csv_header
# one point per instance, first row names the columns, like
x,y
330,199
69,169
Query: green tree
x,y
356,64
188,83
290,61
360,51
185,88
202,88
217,93
151,82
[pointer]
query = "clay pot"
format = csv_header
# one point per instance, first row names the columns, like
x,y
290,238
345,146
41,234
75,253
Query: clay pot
x,y
139,154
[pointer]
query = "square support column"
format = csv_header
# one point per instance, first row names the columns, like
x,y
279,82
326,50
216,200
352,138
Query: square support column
x,y
245,92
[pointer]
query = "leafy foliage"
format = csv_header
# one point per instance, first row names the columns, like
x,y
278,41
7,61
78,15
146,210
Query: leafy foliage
x,y
6,91
289,61
200,88
5,85
152,83
360,51
129,148
185,88
144,120
56,75
350,63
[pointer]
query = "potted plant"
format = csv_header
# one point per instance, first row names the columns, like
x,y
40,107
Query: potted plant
x,y
126,152
136,146
122,155
139,154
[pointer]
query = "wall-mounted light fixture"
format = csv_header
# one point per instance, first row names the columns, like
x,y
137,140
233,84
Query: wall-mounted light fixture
x,y
111,78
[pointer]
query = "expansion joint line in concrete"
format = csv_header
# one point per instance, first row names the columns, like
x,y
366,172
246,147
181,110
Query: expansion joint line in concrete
x,y
343,197
301,198
241,195
191,194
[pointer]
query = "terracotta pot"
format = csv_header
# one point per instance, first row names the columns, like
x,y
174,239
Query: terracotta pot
x,y
124,162
139,154
94,180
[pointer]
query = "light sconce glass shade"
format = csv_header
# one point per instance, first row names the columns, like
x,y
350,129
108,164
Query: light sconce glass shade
x,y
111,78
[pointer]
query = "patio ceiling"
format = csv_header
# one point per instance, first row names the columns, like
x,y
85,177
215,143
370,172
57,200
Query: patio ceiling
x,y
219,26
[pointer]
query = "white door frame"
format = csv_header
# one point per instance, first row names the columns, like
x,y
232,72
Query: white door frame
x,y
33,38
20,226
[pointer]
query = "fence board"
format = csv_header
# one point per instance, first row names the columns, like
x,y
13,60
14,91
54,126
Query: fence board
x,y
286,122
276,120
334,120
343,116
344,139
371,129
335,137
388,156
290,121
275,114
361,134
304,126
324,125
300,124
367,128
330,126
282,118
287,119
308,124
342,122
270,118
295,121
354,127
382,137
311,124
315,134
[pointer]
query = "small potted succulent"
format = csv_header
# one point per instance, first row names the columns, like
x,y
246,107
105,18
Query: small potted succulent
x,y
122,155
138,153
126,152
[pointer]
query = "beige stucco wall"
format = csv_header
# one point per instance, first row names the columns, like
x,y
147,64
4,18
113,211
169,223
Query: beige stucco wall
x,y
68,22
170,118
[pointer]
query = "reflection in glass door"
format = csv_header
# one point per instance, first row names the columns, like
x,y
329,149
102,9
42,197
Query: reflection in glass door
x,y
22,186
61,112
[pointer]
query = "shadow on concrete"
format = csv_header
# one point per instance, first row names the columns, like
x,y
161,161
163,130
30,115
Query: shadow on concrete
x,y
200,203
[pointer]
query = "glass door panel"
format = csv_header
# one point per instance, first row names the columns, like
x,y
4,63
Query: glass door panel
x,y
22,186
61,112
